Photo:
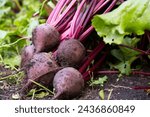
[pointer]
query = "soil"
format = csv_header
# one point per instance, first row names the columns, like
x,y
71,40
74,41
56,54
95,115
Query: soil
x,y
114,89
122,89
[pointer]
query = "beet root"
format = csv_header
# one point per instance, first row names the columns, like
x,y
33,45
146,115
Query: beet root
x,y
40,69
45,37
68,83
70,53
27,54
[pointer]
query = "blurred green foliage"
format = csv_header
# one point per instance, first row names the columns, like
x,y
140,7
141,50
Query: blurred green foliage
x,y
17,21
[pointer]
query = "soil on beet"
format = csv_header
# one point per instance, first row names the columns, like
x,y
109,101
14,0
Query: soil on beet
x,y
114,89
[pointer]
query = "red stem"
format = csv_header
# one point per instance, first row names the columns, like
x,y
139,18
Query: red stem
x,y
98,7
141,73
86,33
73,24
136,49
108,72
141,88
92,56
66,13
111,6
148,36
92,69
60,6
55,11
65,34
121,1
90,12
62,26
117,72
77,32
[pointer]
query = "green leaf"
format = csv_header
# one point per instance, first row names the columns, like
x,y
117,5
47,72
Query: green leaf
x,y
3,34
15,24
4,11
2,2
118,54
127,52
13,61
38,84
130,17
51,4
41,95
132,42
31,92
102,94
33,23
124,54
100,81
125,67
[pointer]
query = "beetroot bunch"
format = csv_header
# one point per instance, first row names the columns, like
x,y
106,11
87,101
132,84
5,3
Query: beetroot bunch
x,y
57,56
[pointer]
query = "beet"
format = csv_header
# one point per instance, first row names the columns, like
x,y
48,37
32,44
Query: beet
x,y
27,54
68,83
45,37
70,53
40,69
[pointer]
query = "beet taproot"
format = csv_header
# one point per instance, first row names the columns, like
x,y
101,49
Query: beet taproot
x,y
68,83
45,37
26,55
70,53
41,69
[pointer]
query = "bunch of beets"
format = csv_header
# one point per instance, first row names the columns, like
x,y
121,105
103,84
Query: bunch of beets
x,y
58,57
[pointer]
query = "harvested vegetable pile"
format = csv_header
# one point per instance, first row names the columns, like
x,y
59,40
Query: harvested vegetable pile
x,y
78,37
59,52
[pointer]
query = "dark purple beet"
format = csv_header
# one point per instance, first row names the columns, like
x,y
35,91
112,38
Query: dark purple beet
x,y
40,69
27,54
45,37
68,83
70,53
